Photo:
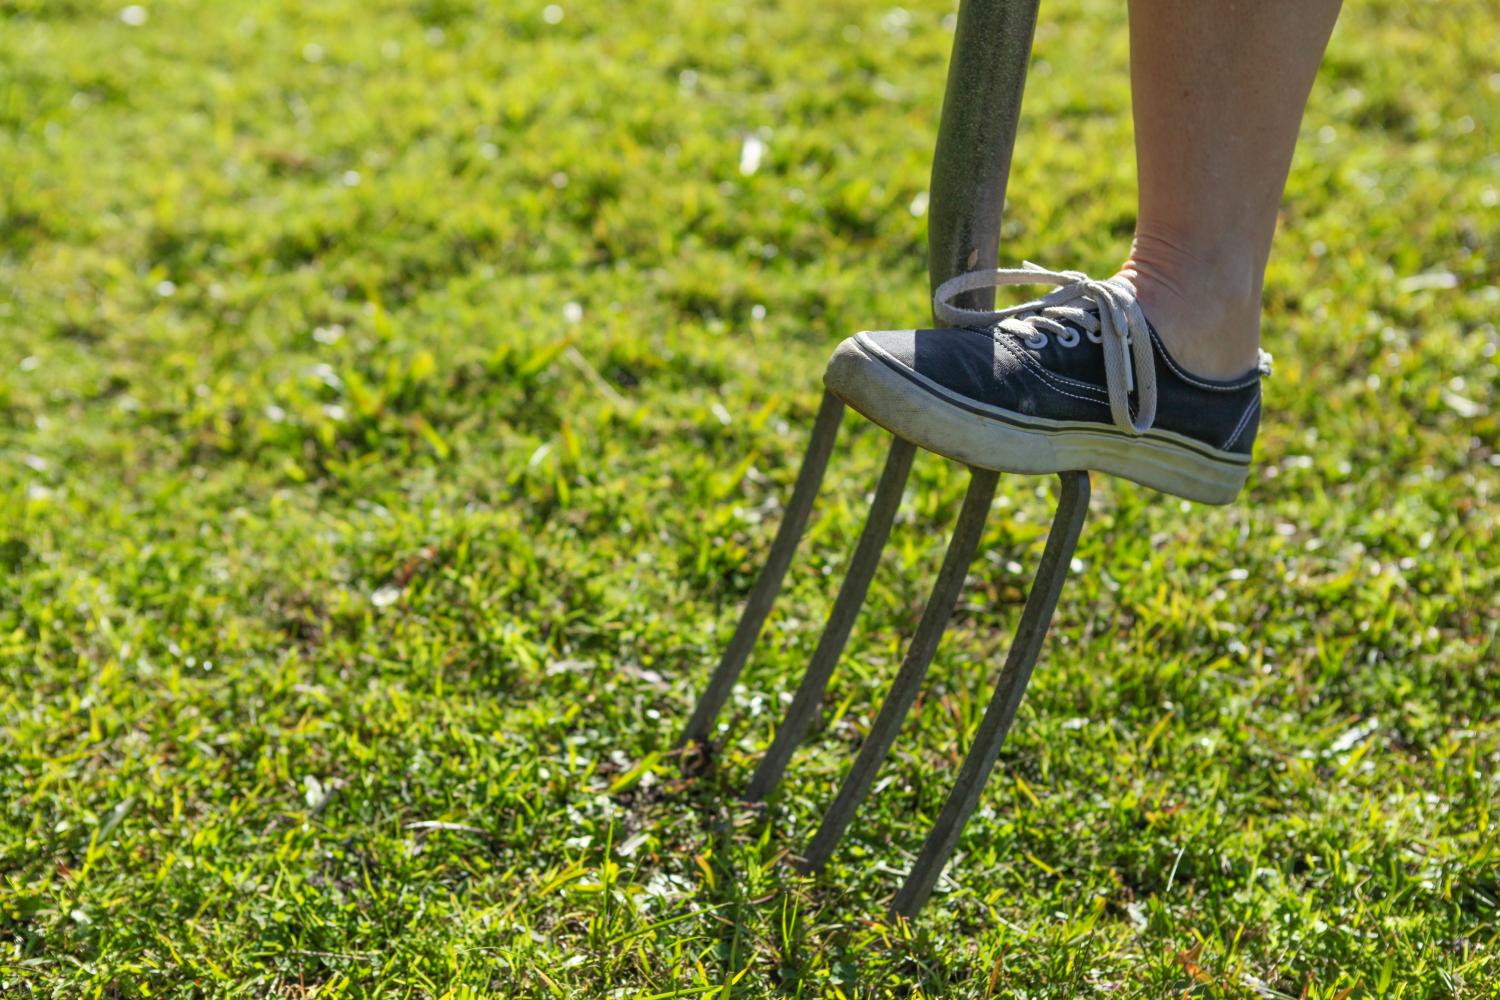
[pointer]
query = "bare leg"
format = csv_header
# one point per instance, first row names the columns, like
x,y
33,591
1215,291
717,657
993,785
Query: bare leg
x,y
1218,89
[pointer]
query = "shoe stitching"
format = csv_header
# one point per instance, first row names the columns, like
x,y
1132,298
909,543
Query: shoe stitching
x,y
1244,421
1159,435
1041,369
1047,375
1033,366
1054,388
1211,387
1032,363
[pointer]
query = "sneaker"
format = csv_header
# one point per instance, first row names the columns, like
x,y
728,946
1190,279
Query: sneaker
x,y
1077,379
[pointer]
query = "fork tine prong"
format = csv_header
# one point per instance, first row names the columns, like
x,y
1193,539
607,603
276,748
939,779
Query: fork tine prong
x,y
768,584
1072,506
908,681
862,565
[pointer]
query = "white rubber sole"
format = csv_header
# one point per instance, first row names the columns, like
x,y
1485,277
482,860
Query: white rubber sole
x,y
920,410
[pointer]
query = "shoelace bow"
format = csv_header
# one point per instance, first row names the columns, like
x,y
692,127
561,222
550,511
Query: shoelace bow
x,y
1115,321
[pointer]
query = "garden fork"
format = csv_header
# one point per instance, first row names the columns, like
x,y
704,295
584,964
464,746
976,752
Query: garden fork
x,y
986,76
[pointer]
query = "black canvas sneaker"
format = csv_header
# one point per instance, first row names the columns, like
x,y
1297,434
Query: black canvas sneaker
x,y
1077,379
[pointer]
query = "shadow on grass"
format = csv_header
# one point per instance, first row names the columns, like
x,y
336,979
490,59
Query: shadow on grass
x,y
796,930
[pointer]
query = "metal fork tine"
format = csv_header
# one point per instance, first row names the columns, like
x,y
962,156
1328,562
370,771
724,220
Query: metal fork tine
x,y
913,668
800,714
768,584
1072,507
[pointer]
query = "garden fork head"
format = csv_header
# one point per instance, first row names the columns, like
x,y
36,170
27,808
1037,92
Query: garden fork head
x,y
991,47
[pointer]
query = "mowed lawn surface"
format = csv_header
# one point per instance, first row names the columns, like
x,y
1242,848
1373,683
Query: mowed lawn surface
x,y
397,400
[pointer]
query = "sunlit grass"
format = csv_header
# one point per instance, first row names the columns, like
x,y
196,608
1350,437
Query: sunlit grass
x,y
398,398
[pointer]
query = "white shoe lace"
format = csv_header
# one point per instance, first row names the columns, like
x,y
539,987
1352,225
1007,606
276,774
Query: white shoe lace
x,y
1115,321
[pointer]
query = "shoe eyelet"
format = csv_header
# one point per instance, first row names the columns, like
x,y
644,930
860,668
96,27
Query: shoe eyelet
x,y
1068,338
1036,341
1095,336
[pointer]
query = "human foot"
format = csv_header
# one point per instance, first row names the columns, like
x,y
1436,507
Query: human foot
x,y
1204,304
1077,379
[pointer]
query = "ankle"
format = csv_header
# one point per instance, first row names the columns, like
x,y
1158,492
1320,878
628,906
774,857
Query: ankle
x,y
1205,306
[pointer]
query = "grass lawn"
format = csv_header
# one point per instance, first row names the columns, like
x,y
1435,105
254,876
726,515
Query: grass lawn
x,y
397,398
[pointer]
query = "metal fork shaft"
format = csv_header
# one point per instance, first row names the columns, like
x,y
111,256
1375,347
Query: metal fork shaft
x,y
976,136
1073,505
768,584
804,706
908,681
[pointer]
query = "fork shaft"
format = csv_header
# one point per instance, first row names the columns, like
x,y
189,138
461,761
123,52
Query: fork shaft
x,y
1073,505
976,136
804,707
908,681
768,584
